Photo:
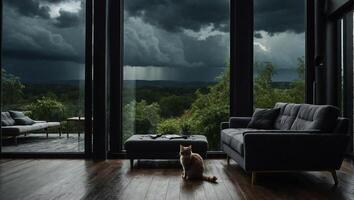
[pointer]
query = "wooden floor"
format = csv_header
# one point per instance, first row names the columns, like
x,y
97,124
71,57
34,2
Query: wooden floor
x,y
113,179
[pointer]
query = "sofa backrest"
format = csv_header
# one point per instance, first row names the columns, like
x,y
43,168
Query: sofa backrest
x,y
6,119
287,115
316,117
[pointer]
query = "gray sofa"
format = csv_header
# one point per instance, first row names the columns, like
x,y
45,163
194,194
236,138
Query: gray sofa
x,y
11,130
304,138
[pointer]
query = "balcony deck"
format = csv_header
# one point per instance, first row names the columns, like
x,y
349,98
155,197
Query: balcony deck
x,y
39,142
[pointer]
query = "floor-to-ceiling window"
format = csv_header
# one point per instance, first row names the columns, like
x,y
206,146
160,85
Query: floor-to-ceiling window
x,y
176,73
345,65
43,73
279,52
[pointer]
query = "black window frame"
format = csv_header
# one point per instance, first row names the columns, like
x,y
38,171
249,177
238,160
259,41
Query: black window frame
x,y
241,62
88,95
106,126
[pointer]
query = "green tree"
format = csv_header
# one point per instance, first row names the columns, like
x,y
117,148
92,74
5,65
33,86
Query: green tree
x,y
140,118
266,94
12,90
209,109
174,106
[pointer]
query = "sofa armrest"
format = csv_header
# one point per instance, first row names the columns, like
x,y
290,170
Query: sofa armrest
x,y
224,125
294,151
239,122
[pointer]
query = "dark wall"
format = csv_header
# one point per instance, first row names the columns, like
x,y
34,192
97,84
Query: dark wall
x,y
327,49
335,11
334,6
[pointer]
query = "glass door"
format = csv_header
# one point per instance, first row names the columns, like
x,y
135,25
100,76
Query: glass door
x,y
176,73
346,68
43,76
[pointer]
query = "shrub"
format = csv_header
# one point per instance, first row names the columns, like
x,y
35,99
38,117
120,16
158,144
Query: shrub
x,y
169,126
47,108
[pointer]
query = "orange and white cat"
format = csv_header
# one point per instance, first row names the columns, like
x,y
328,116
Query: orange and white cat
x,y
193,165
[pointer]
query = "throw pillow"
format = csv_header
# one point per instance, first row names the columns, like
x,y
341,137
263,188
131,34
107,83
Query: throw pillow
x,y
264,118
6,119
24,121
16,114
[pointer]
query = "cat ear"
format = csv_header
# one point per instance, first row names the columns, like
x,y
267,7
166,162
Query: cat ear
x,y
180,147
190,147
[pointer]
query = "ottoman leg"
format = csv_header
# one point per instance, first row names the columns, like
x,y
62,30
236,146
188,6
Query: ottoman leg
x,y
131,163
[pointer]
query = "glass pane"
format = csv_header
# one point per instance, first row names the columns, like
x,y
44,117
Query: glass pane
x,y
43,75
176,77
279,52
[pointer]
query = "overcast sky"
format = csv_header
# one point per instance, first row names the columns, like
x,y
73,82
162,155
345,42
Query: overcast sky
x,y
185,40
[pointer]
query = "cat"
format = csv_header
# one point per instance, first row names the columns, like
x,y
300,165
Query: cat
x,y
193,166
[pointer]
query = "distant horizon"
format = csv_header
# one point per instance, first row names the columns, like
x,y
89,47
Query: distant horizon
x,y
177,81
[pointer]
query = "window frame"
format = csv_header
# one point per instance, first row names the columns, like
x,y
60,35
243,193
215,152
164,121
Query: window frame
x,y
88,95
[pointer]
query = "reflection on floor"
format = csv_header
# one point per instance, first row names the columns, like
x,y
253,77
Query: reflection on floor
x,y
40,143
113,179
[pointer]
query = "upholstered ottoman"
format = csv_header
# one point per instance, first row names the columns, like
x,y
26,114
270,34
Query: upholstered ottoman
x,y
145,147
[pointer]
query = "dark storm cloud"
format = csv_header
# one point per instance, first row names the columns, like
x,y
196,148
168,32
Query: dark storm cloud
x,y
35,43
175,15
212,52
275,16
68,19
33,8
257,35
31,38
28,8
146,45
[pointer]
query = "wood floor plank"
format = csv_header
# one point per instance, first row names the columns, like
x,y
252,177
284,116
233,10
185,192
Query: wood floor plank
x,y
158,187
173,188
219,188
113,179
232,186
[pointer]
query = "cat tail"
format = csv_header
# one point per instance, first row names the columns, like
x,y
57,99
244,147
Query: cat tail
x,y
210,178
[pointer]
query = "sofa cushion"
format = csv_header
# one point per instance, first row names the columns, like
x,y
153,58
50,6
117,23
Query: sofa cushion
x,y
17,129
287,115
263,118
227,134
237,143
6,119
16,114
316,117
233,137
24,121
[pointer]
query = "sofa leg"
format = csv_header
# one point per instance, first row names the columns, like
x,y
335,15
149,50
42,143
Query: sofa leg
x,y
335,178
228,159
46,131
67,129
131,163
254,176
60,131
